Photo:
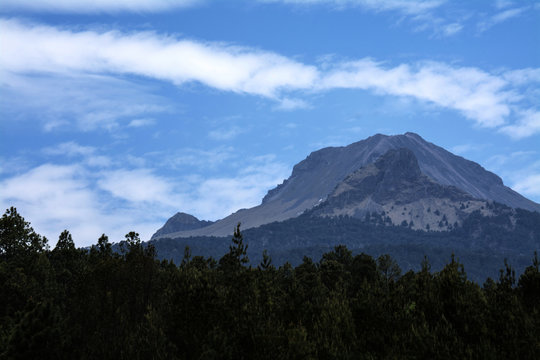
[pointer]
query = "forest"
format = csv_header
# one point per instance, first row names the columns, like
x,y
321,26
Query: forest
x,y
481,243
99,303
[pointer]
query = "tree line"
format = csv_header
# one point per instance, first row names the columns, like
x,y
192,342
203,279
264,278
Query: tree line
x,y
95,303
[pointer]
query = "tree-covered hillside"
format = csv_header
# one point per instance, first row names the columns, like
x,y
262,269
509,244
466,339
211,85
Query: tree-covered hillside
x,y
100,304
481,243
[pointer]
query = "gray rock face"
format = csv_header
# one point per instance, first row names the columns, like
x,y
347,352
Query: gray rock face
x,y
331,165
395,177
180,222
395,188
313,180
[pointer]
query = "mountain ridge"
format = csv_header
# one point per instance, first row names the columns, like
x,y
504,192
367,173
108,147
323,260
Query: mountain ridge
x,y
315,177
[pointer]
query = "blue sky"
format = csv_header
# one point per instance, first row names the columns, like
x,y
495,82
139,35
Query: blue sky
x,y
114,115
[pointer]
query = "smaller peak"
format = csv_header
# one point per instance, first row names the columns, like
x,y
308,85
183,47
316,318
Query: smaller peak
x,y
181,222
184,216
377,136
413,135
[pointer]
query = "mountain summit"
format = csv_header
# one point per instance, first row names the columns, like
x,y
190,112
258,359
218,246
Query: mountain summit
x,y
373,175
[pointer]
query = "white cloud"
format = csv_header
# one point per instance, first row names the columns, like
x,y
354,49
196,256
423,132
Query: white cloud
x,y
218,197
523,76
507,14
225,133
83,75
519,169
475,93
45,49
139,185
501,17
141,122
84,101
422,13
501,4
292,104
452,29
121,199
528,124
88,154
54,197
95,6
409,7
529,185
197,158
70,148
462,149
99,161
57,197
500,162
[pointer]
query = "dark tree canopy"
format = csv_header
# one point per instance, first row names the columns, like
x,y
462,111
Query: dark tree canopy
x,y
72,303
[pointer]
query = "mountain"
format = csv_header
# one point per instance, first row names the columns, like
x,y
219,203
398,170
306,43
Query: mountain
x,y
181,222
316,178
397,195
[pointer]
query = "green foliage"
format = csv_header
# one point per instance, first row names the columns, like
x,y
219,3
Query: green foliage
x,y
237,255
97,303
17,238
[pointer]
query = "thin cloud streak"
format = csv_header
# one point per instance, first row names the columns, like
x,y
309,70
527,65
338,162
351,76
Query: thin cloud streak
x,y
501,17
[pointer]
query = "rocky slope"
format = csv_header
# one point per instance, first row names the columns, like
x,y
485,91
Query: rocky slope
x,y
395,189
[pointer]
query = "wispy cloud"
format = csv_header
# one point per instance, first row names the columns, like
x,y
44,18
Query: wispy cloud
x,y
225,133
410,7
501,4
475,93
501,17
34,52
119,198
54,197
141,122
88,155
69,148
82,101
465,148
452,29
528,124
288,104
95,6
529,185
422,14
520,169
138,185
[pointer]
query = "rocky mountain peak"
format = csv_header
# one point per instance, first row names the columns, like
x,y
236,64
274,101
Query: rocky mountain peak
x,y
181,222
